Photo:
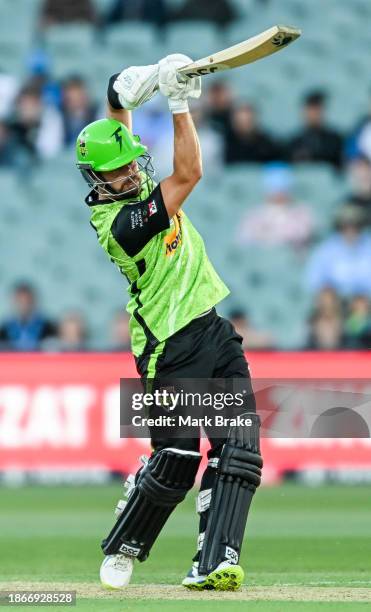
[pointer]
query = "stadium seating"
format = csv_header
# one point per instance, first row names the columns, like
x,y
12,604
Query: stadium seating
x,y
133,43
62,256
70,48
196,39
274,299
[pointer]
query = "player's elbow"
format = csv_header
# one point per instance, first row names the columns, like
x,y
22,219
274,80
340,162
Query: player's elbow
x,y
197,173
189,176
196,176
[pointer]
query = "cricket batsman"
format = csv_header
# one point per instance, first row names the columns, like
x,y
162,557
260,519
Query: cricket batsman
x,y
175,329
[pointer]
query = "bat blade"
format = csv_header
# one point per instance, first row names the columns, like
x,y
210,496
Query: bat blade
x,y
266,43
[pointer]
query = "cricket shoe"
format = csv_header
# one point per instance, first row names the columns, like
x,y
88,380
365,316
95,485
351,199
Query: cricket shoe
x,y
225,577
115,571
193,579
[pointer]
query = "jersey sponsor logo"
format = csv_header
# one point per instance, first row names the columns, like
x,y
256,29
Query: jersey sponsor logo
x,y
152,208
174,238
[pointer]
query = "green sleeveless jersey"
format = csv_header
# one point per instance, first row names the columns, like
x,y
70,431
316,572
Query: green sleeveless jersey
x,y
171,280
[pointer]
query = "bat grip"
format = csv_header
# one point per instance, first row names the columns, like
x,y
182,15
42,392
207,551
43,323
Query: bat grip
x,y
180,73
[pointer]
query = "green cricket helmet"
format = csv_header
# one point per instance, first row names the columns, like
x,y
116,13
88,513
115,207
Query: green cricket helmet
x,y
106,145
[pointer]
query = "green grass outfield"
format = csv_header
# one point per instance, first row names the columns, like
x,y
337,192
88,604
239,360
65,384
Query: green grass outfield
x,y
306,549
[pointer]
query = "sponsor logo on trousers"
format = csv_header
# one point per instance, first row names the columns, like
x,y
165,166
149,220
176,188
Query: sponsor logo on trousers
x,y
129,550
231,555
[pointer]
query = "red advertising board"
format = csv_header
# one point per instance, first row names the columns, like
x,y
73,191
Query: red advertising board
x,y
61,412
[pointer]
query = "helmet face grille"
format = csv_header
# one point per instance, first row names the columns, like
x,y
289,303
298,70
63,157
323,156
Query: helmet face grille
x,y
104,188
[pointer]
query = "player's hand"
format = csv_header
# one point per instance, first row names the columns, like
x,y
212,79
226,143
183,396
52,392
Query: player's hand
x,y
136,85
177,88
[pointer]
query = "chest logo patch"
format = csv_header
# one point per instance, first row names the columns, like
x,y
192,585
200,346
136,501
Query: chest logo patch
x,y
152,208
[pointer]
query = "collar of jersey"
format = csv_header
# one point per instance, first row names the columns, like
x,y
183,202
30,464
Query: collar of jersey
x,y
92,200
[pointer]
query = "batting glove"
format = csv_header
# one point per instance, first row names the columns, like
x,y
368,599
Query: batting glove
x,y
176,87
136,85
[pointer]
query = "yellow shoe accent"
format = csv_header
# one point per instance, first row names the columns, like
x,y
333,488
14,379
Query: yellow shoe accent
x,y
196,586
227,579
108,587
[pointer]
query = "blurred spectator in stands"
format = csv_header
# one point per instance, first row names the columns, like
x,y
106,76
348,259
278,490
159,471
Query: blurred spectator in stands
x,y
328,302
153,123
252,338
326,332
358,324
120,337
360,177
359,142
37,128
27,327
211,142
326,321
9,87
77,108
222,12
152,11
343,260
218,106
40,68
364,140
7,148
246,140
316,141
72,333
54,12
279,220
156,131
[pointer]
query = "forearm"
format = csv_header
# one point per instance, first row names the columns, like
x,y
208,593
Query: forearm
x,y
187,151
122,115
115,109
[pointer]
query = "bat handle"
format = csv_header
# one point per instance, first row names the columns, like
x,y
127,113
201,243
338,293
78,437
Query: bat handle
x,y
180,73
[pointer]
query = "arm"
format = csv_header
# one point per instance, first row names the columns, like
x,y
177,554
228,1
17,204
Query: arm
x,y
187,164
135,225
115,109
121,114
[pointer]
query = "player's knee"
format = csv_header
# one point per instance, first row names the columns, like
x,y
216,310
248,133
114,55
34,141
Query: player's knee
x,y
241,463
241,456
169,475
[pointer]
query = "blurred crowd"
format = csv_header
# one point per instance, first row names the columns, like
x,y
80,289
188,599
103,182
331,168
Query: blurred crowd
x,y
29,328
157,12
40,117
336,323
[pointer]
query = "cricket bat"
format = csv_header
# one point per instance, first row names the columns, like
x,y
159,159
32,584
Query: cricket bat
x,y
268,42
